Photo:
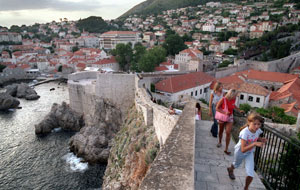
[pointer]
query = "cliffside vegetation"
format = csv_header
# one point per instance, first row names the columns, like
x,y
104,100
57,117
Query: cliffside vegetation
x,y
134,148
272,45
156,6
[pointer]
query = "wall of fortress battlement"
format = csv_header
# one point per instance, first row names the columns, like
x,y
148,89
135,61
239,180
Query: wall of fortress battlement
x,y
176,133
86,87
155,115
122,90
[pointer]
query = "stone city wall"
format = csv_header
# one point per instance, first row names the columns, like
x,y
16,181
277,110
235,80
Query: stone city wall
x,y
155,115
118,88
173,168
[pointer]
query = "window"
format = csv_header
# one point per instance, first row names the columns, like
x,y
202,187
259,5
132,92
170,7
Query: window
x,y
205,90
257,100
200,91
196,93
191,93
242,97
250,99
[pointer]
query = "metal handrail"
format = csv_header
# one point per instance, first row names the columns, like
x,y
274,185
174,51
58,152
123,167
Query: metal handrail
x,y
280,149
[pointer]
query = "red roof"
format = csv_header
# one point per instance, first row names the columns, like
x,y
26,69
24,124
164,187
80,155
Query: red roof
x,y
24,66
166,63
82,65
119,32
191,52
183,82
161,68
267,76
106,61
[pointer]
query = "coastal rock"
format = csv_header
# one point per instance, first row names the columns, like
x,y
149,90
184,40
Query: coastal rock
x,y
60,116
22,91
8,102
93,141
12,89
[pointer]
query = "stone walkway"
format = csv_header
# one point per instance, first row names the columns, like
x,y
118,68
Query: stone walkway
x,y
211,163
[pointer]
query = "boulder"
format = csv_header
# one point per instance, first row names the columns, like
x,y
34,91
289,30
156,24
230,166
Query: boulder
x,y
60,116
93,142
22,91
8,102
12,89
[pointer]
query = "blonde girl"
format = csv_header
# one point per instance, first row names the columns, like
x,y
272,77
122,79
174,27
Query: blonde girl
x,y
244,150
215,97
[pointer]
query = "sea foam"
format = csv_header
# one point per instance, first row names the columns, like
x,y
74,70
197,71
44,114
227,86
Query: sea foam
x,y
75,163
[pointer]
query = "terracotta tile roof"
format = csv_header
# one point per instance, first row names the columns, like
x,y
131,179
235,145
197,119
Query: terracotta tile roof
x,y
183,82
266,76
24,66
82,65
247,88
106,61
191,52
161,68
166,63
230,79
119,32
288,107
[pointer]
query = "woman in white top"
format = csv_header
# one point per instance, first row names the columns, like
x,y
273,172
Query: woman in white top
x,y
215,96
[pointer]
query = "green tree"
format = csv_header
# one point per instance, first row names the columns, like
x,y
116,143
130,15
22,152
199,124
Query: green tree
x,y
2,67
174,44
138,52
123,54
224,64
224,36
187,38
59,68
15,28
94,24
280,49
75,48
230,51
151,59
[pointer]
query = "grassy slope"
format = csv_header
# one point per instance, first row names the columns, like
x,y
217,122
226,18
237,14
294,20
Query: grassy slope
x,y
156,6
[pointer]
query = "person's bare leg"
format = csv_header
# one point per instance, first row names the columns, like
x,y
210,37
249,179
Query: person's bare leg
x,y
221,130
228,135
248,182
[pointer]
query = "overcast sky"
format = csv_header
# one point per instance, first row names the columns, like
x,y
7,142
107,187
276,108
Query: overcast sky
x,y
18,12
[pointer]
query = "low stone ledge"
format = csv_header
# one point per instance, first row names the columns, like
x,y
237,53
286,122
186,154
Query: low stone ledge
x,y
173,168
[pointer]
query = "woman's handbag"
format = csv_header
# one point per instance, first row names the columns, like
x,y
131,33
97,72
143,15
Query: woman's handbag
x,y
221,116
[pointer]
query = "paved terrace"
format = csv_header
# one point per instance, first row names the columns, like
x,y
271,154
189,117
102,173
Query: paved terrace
x,y
211,163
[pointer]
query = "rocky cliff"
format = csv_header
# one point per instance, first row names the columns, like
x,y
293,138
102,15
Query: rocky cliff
x,y
94,140
133,149
60,116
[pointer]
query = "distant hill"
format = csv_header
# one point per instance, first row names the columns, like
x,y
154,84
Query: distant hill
x,y
156,6
94,24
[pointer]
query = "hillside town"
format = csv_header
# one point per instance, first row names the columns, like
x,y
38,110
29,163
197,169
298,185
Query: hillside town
x,y
215,32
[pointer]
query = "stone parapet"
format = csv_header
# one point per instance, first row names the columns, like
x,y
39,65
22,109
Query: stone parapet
x,y
173,168
83,75
155,115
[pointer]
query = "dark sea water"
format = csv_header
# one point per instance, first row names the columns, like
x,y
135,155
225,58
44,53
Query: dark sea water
x,y
31,162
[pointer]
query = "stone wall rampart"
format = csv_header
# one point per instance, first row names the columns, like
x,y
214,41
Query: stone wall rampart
x,y
155,115
83,75
118,88
173,168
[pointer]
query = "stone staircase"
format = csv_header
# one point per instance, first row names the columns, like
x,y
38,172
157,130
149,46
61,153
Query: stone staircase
x,y
211,163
